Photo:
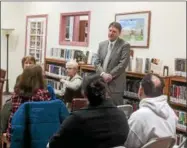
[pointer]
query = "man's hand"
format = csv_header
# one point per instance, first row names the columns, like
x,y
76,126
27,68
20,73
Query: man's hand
x,y
107,77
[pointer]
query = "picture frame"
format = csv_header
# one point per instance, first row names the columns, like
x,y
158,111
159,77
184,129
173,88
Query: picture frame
x,y
135,28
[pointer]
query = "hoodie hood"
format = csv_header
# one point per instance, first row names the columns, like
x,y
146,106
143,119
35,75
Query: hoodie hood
x,y
158,105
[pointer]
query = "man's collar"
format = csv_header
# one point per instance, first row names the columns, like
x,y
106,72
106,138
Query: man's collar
x,y
113,42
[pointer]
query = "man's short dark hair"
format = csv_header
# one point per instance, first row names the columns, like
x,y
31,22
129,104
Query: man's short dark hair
x,y
151,89
116,25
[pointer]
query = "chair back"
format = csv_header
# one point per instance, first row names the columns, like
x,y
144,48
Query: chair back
x,y
183,144
34,123
51,92
78,103
165,142
127,109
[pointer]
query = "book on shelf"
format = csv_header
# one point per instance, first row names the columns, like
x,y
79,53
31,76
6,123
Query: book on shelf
x,y
129,66
180,138
147,65
139,65
131,93
69,54
156,66
180,67
93,58
132,85
182,120
178,94
55,69
56,85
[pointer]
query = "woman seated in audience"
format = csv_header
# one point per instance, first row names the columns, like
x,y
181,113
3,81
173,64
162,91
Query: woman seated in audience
x,y
100,125
26,61
30,88
71,83
5,112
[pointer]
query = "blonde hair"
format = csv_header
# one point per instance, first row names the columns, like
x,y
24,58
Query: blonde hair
x,y
73,64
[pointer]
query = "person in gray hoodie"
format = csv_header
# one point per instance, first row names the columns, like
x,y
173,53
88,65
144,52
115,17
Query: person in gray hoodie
x,y
155,118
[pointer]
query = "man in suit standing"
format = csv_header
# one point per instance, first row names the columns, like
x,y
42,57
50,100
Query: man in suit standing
x,y
113,58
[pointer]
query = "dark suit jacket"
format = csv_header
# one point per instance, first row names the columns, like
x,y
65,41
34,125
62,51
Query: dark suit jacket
x,y
118,61
104,126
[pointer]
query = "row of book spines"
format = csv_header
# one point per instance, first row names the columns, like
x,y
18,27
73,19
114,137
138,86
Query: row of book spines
x,y
55,69
55,84
63,53
182,117
177,101
180,138
178,92
67,54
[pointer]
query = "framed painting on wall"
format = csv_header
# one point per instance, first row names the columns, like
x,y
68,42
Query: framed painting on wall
x,y
135,28
36,36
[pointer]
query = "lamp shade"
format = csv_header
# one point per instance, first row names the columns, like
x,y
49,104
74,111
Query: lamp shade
x,y
7,30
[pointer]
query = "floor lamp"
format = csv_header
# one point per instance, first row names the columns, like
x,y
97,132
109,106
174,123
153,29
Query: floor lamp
x,y
7,32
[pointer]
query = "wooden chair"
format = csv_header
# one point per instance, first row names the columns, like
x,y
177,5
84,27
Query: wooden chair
x,y
164,142
78,103
5,143
127,109
2,80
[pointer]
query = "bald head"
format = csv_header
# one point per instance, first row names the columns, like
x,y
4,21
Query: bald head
x,y
156,81
152,85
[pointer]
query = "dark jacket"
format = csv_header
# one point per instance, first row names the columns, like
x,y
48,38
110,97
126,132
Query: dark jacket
x,y
103,126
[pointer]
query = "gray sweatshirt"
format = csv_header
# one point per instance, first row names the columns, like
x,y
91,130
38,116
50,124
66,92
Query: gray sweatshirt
x,y
154,119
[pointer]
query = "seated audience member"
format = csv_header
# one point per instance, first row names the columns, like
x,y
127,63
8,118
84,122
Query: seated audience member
x,y
155,118
26,61
29,88
100,125
71,83
6,110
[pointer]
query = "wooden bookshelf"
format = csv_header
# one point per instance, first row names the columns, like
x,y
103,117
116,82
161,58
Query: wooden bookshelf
x,y
87,67
55,61
178,79
178,103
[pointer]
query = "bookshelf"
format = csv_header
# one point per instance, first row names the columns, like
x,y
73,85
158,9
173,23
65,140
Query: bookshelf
x,y
178,100
54,71
131,97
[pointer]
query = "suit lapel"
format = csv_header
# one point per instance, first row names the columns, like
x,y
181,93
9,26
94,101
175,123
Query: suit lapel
x,y
114,50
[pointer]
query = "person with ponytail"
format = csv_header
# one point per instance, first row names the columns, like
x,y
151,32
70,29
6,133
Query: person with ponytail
x,y
99,125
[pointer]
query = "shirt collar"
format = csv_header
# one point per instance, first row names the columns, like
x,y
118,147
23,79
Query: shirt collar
x,y
113,42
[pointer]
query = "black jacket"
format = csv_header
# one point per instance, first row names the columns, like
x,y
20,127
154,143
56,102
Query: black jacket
x,y
103,126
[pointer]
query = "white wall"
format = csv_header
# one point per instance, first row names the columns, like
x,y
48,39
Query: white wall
x,y
168,25
12,16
